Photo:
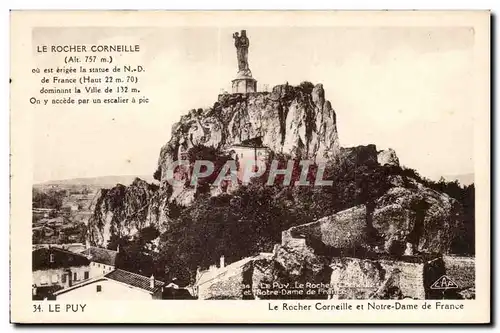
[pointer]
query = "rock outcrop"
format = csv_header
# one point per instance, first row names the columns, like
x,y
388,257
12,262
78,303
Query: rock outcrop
x,y
296,270
412,219
388,157
123,210
299,272
298,121
359,155
347,229
413,213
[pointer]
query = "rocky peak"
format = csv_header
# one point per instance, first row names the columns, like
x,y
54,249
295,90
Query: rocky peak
x,y
123,210
388,157
294,120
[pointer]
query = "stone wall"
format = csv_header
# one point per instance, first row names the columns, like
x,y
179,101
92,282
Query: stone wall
x,y
356,278
346,229
388,157
409,277
229,282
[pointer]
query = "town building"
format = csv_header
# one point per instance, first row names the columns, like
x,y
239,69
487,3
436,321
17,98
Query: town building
x,y
102,261
115,285
54,268
71,207
250,155
43,212
43,231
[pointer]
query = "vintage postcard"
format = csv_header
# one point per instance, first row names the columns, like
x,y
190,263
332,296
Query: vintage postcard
x,y
250,167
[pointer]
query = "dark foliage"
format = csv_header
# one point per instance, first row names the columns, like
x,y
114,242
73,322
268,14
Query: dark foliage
x,y
49,199
307,87
157,174
136,252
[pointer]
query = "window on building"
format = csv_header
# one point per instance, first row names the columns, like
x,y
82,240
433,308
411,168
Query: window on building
x,y
86,275
98,288
75,276
55,278
51,257
63,278
98,265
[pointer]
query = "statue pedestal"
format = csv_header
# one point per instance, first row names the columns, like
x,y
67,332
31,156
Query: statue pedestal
x,y
244,85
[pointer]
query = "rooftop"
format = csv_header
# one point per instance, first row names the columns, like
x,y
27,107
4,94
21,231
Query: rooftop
x,y
100,255
209,275
54,258
121,276
133,279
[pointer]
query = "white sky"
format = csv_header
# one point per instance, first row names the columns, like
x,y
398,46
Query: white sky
x,y
405,88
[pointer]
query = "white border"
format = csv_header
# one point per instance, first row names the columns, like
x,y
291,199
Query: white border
x,y
144,4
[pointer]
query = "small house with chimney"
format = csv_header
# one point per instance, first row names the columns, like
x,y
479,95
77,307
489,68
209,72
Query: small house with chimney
x,y
102,261
116,285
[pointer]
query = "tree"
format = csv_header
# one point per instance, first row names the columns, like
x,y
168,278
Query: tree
x,y
136,253
50,199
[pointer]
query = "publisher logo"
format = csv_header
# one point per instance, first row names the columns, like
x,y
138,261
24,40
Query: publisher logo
x,y
444,282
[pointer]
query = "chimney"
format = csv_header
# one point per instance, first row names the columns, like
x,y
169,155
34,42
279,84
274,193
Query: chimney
x,y
222,262
152,282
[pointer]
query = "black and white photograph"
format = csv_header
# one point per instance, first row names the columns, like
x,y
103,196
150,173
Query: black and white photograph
x,y
312,164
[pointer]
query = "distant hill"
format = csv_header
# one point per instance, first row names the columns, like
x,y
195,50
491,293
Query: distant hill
x,y
463,179
103,181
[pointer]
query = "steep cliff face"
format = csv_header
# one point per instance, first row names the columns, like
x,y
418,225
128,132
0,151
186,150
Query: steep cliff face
x,y
359,155
416,214
123,210
292,120
405,220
